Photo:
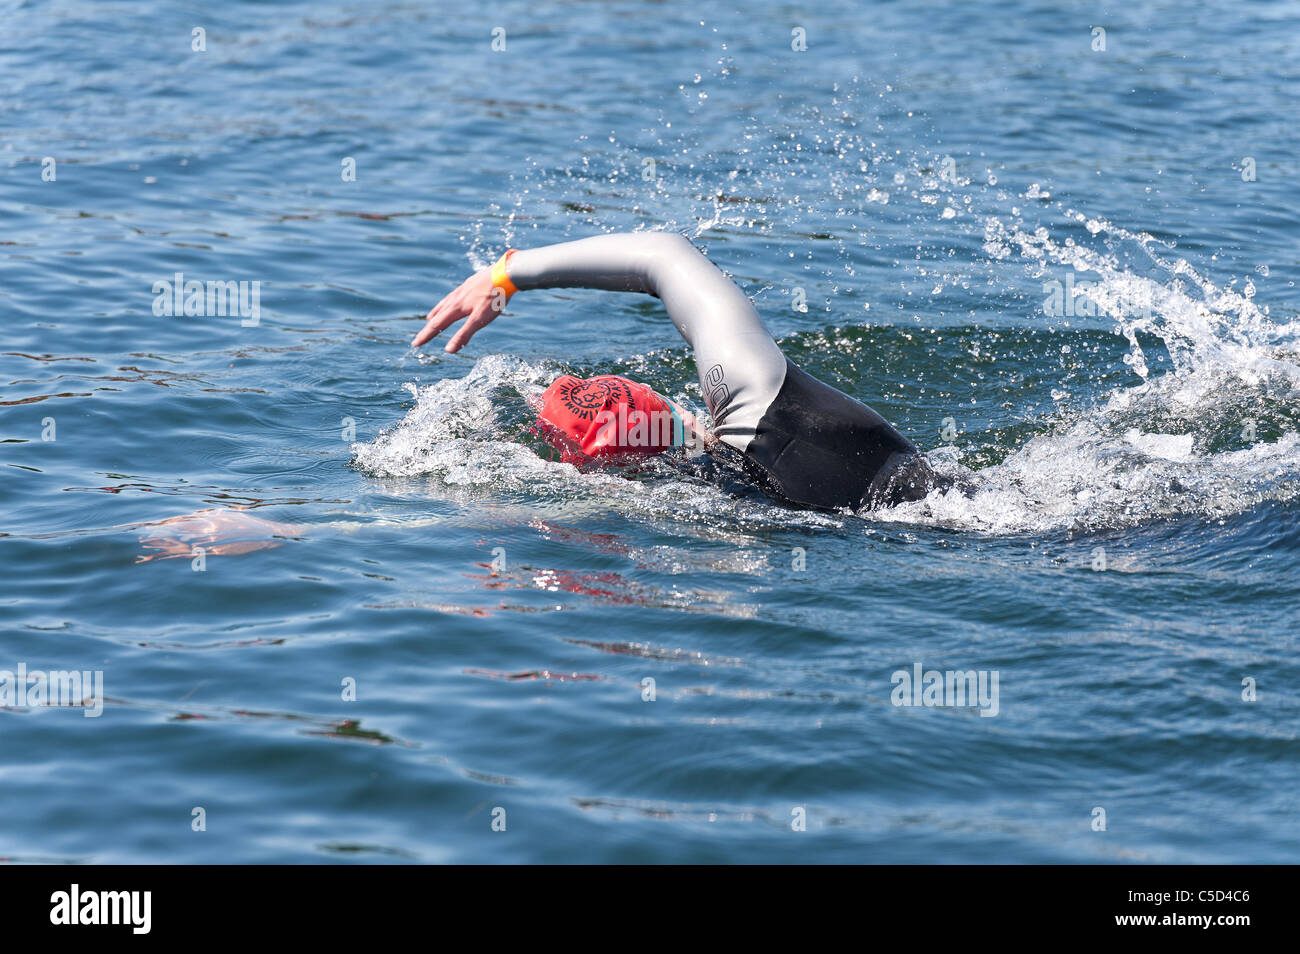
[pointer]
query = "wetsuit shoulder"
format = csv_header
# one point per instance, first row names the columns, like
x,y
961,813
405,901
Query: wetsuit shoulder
x,y
822,448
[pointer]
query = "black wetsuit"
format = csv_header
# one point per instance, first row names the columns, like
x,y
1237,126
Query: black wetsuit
x,y
805,442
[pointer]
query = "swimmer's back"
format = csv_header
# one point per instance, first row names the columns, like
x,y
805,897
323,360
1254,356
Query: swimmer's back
x,y
821,448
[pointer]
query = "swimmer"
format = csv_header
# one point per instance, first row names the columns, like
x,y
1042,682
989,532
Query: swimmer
x,y
804,442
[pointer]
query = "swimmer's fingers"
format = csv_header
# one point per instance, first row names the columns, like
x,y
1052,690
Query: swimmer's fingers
x,y
439,317
482,315
465,300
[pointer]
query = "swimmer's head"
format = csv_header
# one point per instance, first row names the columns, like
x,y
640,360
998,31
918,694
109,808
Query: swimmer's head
x,y
607,418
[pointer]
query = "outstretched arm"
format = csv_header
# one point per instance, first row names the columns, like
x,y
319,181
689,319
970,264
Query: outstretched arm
x,y
741,369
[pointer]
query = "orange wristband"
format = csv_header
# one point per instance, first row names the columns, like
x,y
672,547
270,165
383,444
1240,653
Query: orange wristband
x,y
501,275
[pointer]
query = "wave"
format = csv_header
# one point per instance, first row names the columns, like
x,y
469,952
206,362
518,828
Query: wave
x,y
1214,435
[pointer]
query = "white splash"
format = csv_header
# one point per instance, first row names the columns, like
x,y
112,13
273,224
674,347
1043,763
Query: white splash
x,y
467,439
1157,447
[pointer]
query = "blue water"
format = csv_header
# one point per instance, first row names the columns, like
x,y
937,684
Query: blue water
x,y
377,518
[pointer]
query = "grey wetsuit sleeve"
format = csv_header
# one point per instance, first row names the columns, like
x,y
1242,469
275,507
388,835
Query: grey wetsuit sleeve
x,y
741,368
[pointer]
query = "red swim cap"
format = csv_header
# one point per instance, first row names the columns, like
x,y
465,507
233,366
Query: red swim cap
x,y
606,417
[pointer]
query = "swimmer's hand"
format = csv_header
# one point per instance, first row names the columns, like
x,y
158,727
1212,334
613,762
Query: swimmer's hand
x,y
477,298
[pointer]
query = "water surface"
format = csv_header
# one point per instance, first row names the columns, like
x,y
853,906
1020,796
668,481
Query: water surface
x,y
373,517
